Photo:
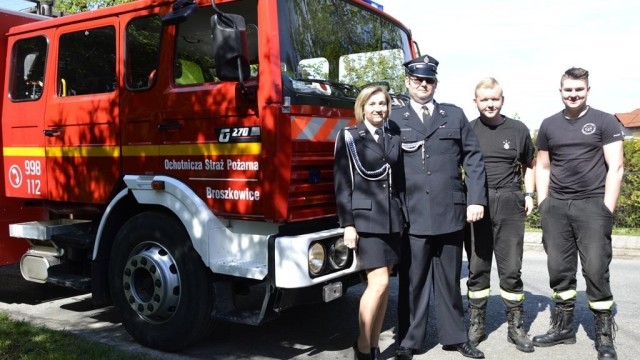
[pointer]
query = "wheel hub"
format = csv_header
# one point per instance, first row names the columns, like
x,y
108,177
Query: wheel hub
x,y
151,282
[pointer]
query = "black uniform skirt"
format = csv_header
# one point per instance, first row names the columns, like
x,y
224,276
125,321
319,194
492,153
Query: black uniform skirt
x,y
378,250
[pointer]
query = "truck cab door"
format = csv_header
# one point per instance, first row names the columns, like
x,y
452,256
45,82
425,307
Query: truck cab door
x,y
22,117
81,119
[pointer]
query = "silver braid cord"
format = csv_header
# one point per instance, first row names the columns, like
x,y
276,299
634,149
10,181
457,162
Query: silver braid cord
x,y
411,147
367,174
414,146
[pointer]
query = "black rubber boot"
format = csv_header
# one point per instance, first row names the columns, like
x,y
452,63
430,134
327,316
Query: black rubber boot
x,y
477,331
605,334
516,333
562,331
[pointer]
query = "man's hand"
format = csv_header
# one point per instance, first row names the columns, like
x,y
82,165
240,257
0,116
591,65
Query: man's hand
x,y
475,213
528,205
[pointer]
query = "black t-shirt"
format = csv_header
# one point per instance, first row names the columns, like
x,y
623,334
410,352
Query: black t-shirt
x,y
578,168
504,148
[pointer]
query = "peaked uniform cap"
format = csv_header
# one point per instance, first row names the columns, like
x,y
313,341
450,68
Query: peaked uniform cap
x,y
423,66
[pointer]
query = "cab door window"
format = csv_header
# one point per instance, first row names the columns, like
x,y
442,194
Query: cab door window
x,y
87,62
193,62
28,65
142,52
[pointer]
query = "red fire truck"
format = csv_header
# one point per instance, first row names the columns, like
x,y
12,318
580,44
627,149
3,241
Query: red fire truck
x,y
176,157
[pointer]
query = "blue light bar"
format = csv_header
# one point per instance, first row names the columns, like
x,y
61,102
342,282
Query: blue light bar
x,y
374,4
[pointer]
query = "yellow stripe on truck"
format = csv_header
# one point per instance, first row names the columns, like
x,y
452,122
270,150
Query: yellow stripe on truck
x,y
193,149
135,150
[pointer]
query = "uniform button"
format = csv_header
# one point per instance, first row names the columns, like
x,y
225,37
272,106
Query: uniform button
x,y
427,155
428,172
384,185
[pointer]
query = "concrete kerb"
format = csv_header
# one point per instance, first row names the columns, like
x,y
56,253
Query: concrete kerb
x,y
623,245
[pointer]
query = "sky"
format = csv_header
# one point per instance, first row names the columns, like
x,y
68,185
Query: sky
x,y
16,5
527,45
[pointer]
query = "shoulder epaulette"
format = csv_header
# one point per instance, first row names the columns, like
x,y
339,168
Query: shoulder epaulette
x,y
450,105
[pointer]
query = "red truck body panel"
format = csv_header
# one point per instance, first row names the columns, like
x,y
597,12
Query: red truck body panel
x,y
12,210
100,137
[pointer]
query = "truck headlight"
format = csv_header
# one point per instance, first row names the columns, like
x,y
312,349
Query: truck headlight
x,y
339,254
317,257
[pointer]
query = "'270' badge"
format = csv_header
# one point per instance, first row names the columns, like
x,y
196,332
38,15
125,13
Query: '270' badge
x,y
241,134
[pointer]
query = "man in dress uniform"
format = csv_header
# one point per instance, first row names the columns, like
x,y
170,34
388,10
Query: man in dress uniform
x,y
438,143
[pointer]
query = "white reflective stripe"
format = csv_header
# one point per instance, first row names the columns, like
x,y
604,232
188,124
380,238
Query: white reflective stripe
x,y
601,305
480,294
312,128
314,124
511,296
565,295
340,124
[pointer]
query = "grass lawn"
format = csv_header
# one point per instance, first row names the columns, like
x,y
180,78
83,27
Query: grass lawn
x,y
20,340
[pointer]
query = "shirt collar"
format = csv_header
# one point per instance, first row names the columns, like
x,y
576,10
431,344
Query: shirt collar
x,y
418,107
372,129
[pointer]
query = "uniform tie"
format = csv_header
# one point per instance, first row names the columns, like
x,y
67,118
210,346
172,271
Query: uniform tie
x,y
379,136
426,115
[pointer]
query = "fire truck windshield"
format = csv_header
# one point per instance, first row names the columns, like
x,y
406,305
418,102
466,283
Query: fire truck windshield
x,y
331,48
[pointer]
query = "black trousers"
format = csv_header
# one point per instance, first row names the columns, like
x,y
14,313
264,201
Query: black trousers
x,y
431,262
572,228
500,232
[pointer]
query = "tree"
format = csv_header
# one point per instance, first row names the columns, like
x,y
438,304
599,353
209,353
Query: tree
x,y
371,51
628,211
76,6
627,214
380,66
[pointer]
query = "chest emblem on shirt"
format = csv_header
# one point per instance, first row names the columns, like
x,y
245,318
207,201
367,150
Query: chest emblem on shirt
x,y
589,128
506,144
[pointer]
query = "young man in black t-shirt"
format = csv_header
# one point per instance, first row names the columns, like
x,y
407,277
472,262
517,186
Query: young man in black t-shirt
x,y
508,154
579,174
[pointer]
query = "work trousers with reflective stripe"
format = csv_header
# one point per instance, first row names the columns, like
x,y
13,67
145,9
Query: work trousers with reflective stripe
x,y
501,231
572,228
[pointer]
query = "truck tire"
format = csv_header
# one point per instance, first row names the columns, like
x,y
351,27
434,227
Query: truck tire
x,y
160,284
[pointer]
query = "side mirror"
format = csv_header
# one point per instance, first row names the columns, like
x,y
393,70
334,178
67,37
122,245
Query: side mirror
x,y
230,53
181,10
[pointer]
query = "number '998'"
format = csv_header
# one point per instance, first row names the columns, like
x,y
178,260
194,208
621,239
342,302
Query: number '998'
x,y
32,167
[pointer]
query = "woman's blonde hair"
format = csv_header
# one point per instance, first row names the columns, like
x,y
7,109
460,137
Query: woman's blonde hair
x,y
364,96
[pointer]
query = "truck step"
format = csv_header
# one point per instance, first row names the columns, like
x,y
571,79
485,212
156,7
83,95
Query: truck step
x,y
250,305
59,276
45,230
78,241
247,317
71,281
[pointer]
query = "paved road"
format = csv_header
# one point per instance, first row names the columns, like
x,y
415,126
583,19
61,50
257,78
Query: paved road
x,y
323,332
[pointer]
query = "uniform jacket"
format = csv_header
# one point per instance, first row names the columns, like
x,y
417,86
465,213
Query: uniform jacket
x,y
373,206
436,194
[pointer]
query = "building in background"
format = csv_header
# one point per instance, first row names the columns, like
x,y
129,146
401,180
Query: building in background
x,y
630,123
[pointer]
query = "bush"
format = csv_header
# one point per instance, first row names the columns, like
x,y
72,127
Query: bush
x,y
628,211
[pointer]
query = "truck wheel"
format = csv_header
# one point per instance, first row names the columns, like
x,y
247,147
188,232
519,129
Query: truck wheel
x,y
160,284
